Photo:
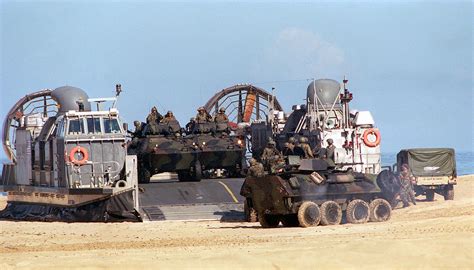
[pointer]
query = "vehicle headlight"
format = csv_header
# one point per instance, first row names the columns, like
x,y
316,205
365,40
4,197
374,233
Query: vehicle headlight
x,y
239,142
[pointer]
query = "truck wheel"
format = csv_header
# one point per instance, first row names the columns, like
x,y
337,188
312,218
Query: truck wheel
x,y
309,214
269,221
430,195
357,212
331,213
290,220
144,176
449,193
250,213
379,210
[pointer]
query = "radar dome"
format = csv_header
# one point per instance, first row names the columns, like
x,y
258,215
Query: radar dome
x,y
69,98
326,90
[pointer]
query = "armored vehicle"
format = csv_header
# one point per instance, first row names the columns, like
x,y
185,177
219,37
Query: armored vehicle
x,y
218,149
311,193
434,170
68,162
162,148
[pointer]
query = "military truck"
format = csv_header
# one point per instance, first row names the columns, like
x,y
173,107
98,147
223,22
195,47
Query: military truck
x,y
163,148
434,170
68,162
218,149
310,193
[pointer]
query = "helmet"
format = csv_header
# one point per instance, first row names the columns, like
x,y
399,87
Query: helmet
x,y
154,109
222,109
136,123
330,141
291,140
303,139
252,161
169,112
271,142
405,166
201,109
192,119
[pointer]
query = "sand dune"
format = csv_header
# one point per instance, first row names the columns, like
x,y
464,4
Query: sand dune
x,y
437,234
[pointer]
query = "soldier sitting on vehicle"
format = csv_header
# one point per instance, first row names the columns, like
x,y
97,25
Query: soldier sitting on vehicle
x,y
139,127
190,125
289,149
221,120
169,117
303,149
154,117
202,116
256,168
406,193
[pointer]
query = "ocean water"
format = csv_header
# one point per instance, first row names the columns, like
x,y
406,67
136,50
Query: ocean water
x,y
464,162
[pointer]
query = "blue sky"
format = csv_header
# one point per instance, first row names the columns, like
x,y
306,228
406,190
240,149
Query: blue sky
x,y
409,63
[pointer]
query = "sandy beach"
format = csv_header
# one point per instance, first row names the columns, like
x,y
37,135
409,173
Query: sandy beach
x,y
437,234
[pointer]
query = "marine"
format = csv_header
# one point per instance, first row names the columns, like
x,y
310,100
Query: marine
x,y
289,149
256,168
202,116
330,153
221,117
269,154
406,193
304,148
138,129
154,117
190,125
169,116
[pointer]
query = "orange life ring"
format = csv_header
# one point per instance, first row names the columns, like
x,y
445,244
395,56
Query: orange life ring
x,y
374,132
83,151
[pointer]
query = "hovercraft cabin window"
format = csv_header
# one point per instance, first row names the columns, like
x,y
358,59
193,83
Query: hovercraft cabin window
x,y
111,125
93,125
76,126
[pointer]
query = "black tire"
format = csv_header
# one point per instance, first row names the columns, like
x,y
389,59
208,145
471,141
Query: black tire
x,y
357,212
331,213
290,220
269,221
250,213
197,174
144,176
449,193
309,214
430,194
379,210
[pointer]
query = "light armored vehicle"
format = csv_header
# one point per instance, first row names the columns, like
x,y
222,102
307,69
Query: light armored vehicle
x,y
433,169
162,148
312,193
68,162
218,149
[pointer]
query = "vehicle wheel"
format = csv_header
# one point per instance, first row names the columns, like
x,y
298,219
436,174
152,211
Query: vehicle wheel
x,y
197,175
379,210
144,176
388,182
290,220
357,212
331,213
309,214
430,195
269,221
449,193
250,213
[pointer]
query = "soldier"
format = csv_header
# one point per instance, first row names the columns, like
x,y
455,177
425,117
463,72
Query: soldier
x,y
221,117
305,148
406,193
269,153
290,147
190,126
203,116
169,117
256,168
138,129
330,153
154,117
